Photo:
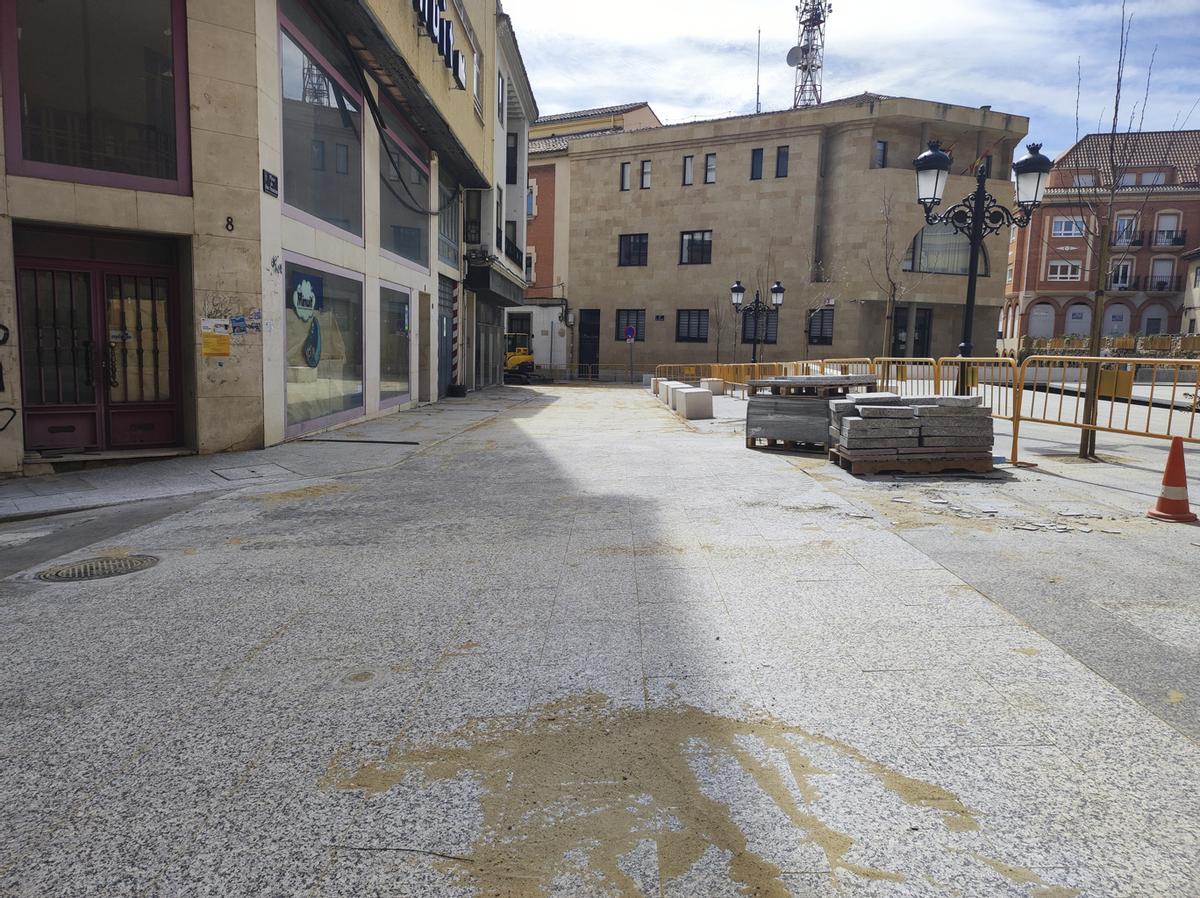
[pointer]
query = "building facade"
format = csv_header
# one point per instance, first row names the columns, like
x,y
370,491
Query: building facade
x,y
1146,207
224,225
660,221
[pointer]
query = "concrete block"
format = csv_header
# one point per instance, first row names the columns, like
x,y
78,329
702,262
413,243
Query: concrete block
x,y
972,442
647,379
842,407
664,387
886,411
852,442
654,382
694,403
939,411
673,392
880,426
876,398
946,401
714,385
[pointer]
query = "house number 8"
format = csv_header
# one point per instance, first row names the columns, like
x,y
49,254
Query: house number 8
x,y
229,223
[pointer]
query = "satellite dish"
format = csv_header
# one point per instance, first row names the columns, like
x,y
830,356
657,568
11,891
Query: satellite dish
x,y
794,56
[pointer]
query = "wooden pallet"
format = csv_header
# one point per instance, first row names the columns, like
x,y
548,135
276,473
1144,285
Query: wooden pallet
x,y
772,444
911,465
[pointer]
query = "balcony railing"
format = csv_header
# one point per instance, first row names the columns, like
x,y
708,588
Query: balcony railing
x,y
1127,238
1150,284
1169,238
514,252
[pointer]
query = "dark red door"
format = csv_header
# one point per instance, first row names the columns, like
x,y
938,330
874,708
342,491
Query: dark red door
x,y
99,356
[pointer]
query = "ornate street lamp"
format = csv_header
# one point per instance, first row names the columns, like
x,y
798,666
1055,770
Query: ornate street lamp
x,y
757,309
978,215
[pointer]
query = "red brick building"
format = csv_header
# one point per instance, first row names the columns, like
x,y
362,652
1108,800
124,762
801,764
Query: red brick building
x,y
1150,198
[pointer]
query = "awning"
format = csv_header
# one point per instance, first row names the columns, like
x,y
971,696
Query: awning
x,y
495,285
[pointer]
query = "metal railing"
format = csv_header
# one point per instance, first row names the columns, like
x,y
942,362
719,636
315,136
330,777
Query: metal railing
x,y
1150,283
1126,238
1169,237
908,377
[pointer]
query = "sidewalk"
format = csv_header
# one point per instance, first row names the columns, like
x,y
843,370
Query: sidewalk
x,y
578,650
347,450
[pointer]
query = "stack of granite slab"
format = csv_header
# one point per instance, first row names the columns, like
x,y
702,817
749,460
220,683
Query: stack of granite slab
x,y
878,427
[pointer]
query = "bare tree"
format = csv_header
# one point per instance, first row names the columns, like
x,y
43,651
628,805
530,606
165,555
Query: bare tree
x,y
722,319
886,267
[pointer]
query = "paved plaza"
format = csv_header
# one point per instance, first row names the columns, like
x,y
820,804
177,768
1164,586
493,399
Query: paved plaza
x,y
568,645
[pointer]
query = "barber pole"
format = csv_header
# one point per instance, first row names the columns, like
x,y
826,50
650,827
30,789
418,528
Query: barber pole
x,y
454,338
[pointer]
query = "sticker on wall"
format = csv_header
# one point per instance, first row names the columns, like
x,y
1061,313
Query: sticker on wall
x,y
305,295
254,322
214,337
237,324
312,344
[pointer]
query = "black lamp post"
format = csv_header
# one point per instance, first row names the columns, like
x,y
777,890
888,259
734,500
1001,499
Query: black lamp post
x,y
757,309
978,215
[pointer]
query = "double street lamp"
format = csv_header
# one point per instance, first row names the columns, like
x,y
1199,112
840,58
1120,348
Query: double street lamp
x,y
978,215
757,309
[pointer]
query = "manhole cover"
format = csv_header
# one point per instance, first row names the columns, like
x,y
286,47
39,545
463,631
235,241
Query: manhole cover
x,y
98,568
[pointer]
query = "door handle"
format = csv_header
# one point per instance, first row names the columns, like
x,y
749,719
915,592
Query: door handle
x,y
111,364
88,364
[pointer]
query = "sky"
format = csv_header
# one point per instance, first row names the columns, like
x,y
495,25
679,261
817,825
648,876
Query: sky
x,y
695,59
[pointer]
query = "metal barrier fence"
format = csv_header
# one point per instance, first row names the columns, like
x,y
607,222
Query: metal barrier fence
x,y
1145,397
1156,398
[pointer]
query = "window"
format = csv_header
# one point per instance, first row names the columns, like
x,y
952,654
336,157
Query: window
x,y
501,96
625,166
1167,231
635,318
645,183
768,327
319,107
394,331
695,248
820,327
324,322
530,265
1120,275
1125,232
879,155
1012,235
1129,179
710,168
987,165
530,209
632,249
688,170
1063,271
1067,227
1083,181
781,162
1153,178
448,224
1162,273
403,198
1196,277
478,86
756,159
1008,277
939,249
102,89
691,326
511,157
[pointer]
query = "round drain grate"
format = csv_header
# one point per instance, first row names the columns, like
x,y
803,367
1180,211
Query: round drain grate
x,y
98,568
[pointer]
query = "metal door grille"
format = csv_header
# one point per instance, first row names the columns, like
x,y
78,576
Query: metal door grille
x,y
56,323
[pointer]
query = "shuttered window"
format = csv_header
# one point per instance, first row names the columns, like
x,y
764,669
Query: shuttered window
x,y
768,327
691,326
635,318
820,328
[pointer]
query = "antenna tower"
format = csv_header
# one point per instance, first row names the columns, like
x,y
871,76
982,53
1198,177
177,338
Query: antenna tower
x,y
807,57
315,86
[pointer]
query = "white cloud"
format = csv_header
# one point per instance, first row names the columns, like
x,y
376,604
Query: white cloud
x,y
696,58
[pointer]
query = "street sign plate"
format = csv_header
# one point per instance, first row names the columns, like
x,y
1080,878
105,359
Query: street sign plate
x,y
629,340
630,332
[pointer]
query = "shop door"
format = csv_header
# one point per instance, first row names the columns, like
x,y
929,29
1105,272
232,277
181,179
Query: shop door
x,y
922,333
99,348
589,342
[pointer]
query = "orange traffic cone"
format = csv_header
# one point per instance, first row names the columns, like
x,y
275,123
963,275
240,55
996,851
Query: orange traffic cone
x,y
1172,502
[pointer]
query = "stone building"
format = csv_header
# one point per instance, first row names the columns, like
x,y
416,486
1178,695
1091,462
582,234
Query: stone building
x,y
1151,197
652,225
224,225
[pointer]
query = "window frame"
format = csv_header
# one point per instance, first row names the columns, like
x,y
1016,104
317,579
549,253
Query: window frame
x,y
879,159
683,241
623,257
331,71
756,164
710,157
17,164
644,172
639,324
625,178
782,160
1074,268
1078,228
820,339
689,171
399,398
392,138
679,320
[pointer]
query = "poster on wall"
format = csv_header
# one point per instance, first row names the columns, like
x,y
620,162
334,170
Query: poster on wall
x,y
305,294
214,337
